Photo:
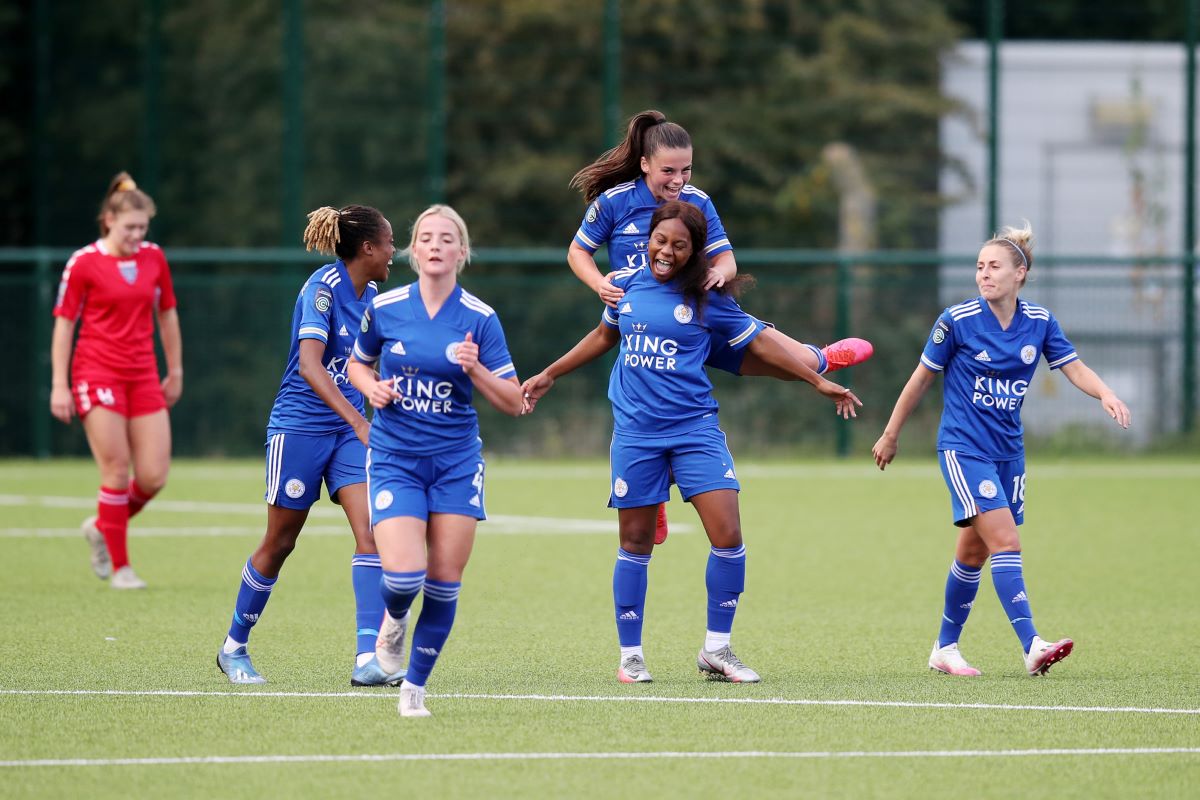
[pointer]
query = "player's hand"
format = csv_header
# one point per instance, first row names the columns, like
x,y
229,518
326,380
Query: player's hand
x,y
467,353
362,429
884,450
714,279
844,400
608,293
172,388
383,394
533,390
1117,410
62,406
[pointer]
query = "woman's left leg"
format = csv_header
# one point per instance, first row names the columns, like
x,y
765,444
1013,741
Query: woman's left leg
x,y
725,580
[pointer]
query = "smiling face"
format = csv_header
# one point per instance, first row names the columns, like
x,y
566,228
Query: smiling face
x,y
670,249
666,171
126,230
380,253
998,273
437,247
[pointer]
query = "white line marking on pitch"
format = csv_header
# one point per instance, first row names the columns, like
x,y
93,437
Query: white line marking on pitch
x,y
563,698
495,523
666,754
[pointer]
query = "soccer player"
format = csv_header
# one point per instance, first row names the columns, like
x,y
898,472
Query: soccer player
x,y
117,286
988,347
317,432
434,345
623,187
665,423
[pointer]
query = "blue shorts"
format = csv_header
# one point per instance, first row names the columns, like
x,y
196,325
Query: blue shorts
x,y
979,484
296,463
726,358
642,468
416,486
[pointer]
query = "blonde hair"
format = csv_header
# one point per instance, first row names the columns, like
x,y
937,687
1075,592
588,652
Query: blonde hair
x,y
123,195
1019,240
449,213
341,232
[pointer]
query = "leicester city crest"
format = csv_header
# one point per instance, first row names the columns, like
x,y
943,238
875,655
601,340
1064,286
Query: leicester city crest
x,y
683,314
1029,354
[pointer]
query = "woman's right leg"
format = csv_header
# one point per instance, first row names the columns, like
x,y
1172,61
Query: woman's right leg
x,y
630,581
108,437
258,579
962,584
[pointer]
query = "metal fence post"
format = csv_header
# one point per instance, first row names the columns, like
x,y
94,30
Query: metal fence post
x,y
151,151
995,34
841,329
291,207
436,102
39,394
613,132
1189,228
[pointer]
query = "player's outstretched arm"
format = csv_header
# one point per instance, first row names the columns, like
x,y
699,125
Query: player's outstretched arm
x,y
773,353
1087,381
599,341
919,383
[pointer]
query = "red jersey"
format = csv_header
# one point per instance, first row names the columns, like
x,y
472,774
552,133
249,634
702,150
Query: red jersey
x,y
117,298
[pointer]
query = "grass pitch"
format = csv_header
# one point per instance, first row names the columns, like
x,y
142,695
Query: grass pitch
x,y
108,694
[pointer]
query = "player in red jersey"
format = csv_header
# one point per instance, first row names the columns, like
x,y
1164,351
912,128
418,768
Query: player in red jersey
x,y
117,286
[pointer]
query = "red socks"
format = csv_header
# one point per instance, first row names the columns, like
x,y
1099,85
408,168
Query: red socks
x,y
138,498
113,521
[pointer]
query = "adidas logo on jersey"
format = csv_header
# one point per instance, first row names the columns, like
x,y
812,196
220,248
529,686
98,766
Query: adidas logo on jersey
x,y
631,228
398,349
983,356
626,309
343,331
1020,597
629,615
729,474
730,603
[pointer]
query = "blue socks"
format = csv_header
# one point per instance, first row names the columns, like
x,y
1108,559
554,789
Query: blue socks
x,y
1009,581
822,362
962,584
398,590
366,575
629,595
432,629
725,579
252,598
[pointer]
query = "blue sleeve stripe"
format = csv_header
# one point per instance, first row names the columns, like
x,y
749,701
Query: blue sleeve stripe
x,y
933,365
508,368
717,245
1064,360
610,317
309,332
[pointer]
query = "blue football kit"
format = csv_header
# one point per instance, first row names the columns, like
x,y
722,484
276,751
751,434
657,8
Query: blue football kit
x,y
987,373
425,452
664,415
620,219
306,439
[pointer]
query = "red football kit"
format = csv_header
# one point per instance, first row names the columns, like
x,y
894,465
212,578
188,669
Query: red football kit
x,y
116,299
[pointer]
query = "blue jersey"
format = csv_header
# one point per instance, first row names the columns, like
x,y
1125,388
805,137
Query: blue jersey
x,y
658,385
417,354
326,310
620,218
988,370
